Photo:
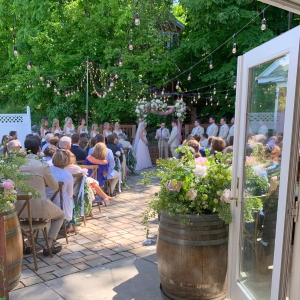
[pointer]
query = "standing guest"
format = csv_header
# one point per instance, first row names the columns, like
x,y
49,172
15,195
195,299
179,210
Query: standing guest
x,y
117,129
231,130
48,154
13,134
212,129
48,137
69,127
106,131
94,131
113,147
44,129
198,129
204,140
82,128
79,153
55,127
41,207
162,135
173,139
54,141
224,129
263,129
217,145
65,143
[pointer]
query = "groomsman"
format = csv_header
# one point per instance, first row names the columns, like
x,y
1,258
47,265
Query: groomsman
x,y
224,129
173,139
231,130
162,135
212,129
198,129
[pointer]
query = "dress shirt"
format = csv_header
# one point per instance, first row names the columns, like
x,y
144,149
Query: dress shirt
x,y
45,146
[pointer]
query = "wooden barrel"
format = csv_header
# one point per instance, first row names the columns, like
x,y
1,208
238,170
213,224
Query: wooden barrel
x,y
192,259
14,248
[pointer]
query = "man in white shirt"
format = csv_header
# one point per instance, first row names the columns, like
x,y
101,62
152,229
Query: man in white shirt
x,y
212,129
125,144
231,130
162,135
263,129
224,129
173,139
204,140
197,129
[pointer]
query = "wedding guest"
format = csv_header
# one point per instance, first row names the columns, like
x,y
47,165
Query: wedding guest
x,y
65,143
224,129
44,129
113,147
83,142
125,144
91,144
54,141
227,150
173,139
82,128
55,127
197,129
79,153
106,130
117,129
48,154
217,145
204,140
195,145
13,145
212,129
13,134
263,129
48,137
42,207
231,130
162,135
197,137
230,141
69,127
94,131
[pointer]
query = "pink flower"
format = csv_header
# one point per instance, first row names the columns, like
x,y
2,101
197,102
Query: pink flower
x,y
174,186
201,161
192,194
8,184
226,196
85,172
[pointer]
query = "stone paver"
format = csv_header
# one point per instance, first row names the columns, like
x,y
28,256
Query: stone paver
x,y
112,237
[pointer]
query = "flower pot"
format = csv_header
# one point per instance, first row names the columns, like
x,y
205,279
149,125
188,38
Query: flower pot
x,y
14,247
192,259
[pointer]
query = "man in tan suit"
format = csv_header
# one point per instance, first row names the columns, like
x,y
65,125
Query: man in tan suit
x,y
173,139
42,207
198,129
162,135
224,129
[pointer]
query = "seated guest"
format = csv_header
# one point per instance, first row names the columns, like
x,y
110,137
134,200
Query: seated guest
x,y
116,141
65,143
48,154
60,160
100,156
54,141
91,144
79,153
83,141
41,207
125,144
13,134
217,145
13,145
195,145
197,137
48,137
204,140
113,147
230,141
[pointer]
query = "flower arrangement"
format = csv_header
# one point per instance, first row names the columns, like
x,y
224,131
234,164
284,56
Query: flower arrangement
x,y
191,187
158,105
141,109
180,110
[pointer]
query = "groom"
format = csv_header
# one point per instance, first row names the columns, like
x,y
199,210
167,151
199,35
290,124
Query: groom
x,y
162,135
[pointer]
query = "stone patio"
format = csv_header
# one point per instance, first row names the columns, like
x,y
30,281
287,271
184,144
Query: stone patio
x,y
105,260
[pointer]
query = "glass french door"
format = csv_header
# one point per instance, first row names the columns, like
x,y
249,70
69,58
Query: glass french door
x,y
263,185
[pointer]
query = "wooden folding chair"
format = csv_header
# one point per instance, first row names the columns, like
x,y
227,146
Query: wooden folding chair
x,y
80,162
32,227
94,169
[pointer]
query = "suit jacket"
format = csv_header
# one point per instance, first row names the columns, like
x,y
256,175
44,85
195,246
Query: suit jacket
x,y
198,130
224,129
114,148
41,176
212,130
173,139
231,132
166,136
79,153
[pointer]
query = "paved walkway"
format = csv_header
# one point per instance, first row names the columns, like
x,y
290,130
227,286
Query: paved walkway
x,y
105,260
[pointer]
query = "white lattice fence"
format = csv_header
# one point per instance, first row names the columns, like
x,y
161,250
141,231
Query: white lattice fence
x,y
17,122
272,121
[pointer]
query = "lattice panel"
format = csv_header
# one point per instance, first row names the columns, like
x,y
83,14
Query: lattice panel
x,y
11,119
265,117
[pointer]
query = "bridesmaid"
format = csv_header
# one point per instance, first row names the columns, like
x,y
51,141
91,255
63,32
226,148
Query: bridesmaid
x,y
55,126
82,128
44,128
106,131
94,131
69,128
118,129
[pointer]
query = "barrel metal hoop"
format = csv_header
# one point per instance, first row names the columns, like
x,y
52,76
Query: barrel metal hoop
x,y
10,215
181,231
11,266
192,243
13,232
163,219
16,278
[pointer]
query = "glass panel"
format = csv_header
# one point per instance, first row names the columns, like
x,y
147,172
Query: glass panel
x,y
265,123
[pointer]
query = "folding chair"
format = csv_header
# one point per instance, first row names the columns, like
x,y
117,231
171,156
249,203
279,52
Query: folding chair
x,y
80,162
92,170
32,227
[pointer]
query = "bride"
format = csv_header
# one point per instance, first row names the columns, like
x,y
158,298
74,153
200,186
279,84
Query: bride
x,y
141,148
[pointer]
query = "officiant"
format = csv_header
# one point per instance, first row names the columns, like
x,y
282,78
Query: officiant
x,y
162,135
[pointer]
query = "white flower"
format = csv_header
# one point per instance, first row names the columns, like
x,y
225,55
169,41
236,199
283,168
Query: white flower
x,y
137,111
157,101
142,106
226,196
178,114
177,104
192,194
200,171
118,153
144,116
29,194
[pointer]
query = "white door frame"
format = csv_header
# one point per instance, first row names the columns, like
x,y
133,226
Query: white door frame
x,y
286,43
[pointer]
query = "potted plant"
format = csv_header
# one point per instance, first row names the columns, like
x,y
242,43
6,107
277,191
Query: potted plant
x,y
194,203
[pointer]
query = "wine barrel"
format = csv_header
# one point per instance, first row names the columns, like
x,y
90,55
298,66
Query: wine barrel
x,y
192,259
14,248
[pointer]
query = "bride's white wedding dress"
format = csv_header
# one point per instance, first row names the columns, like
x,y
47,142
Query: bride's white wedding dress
x,y
142,154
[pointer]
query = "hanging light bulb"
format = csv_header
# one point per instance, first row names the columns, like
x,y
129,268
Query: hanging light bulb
x,y
6,85
120,62
29,65
206,102
194,99
177,85
111,83
263,24
226,96
211,64
234,48
137,21
116,75
189,77
218,102
58,92
199,96
16,52
163,91
130,47
48,83
211,98
41,77
234,85
215,90
55,89
228,105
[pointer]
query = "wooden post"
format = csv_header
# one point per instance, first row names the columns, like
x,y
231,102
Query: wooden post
x,y
3,263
